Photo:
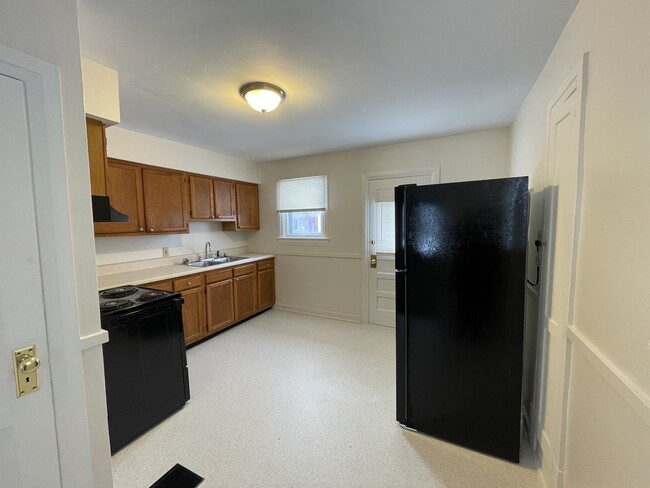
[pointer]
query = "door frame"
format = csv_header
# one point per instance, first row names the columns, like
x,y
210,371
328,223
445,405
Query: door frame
x,y
54,229
366,178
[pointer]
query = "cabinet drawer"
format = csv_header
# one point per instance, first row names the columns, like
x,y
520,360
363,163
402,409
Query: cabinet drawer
x,y
214,276
265,264
160,285
188,282
245,269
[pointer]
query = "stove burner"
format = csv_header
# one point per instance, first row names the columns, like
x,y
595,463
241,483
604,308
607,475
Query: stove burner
x,y
122,291
114,305
151,295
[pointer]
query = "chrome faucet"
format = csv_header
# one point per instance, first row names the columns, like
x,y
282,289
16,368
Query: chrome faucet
x,y
208,248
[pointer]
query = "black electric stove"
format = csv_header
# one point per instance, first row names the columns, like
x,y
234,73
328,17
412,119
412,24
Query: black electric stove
x,y
144,360
123,298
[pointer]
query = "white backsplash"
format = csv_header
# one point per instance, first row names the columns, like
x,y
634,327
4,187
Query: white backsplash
x,y
109,269
136,251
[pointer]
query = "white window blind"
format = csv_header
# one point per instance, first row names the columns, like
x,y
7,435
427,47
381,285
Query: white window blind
x,y
385,227
302,194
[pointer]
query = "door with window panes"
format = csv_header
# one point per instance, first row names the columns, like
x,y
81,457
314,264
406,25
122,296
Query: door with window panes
x,y
381,248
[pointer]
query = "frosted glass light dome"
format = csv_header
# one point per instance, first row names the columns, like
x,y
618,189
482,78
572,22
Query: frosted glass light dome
x,y
263,97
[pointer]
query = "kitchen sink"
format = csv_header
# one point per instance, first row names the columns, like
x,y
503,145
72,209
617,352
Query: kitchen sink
x,y
214,261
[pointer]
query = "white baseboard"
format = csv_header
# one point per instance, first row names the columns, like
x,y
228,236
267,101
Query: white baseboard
x,y
548,473
319,313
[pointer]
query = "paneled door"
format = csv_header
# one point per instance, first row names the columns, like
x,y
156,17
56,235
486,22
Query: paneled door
x,y
381,246
28,441
561,233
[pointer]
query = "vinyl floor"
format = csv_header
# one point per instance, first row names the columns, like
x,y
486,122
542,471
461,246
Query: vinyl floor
x,y
290,400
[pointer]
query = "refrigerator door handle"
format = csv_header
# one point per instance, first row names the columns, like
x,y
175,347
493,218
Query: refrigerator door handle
x,y
401,320
401,344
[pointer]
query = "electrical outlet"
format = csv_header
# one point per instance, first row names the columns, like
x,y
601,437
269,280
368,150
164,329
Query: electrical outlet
x,y
165,252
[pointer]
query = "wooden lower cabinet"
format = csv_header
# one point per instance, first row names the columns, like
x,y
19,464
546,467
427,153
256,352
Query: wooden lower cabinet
x,y
191,289
214,300
219,300
245,295
265,284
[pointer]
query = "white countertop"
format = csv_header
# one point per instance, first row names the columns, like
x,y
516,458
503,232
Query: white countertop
x,y
171,271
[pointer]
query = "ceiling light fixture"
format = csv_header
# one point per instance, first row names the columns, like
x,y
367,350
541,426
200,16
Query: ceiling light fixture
x,y
263,97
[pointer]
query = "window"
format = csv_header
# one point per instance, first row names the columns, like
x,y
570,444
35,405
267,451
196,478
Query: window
x,y
302,206
385,227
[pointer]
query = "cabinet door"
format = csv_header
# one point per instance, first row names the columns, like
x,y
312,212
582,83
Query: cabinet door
x,y
201,198
220,304
125,192
165,201
265,288
193,314
224,192
245,295
248,206
96,136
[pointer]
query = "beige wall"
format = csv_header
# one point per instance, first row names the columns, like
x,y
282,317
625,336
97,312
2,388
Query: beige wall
x,y
608,422
143,148
326,279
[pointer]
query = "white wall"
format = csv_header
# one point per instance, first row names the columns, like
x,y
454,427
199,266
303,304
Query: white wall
x,y
143,148
608,423
326,279
49,31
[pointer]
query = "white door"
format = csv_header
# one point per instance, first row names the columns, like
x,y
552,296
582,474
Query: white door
x,y
381,239
561,234
28,445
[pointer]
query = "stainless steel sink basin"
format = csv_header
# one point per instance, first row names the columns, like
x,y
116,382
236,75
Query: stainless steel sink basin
x,y
214,261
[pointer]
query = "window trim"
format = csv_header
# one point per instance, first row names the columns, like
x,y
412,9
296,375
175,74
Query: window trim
x,y
320,239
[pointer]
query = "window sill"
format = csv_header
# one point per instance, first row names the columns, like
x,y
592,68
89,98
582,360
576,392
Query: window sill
x,y
303,241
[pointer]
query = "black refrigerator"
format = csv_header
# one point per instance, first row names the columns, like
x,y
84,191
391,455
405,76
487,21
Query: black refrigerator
x,y
460,285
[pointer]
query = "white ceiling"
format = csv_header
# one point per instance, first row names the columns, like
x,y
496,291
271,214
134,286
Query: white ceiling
x,y
357,72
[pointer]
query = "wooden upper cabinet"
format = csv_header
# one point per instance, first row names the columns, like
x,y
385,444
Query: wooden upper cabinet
x,y
247,208
96,134
165,201
224,194
201,198
125,192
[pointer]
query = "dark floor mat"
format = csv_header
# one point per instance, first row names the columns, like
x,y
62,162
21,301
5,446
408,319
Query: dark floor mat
x,y
178,477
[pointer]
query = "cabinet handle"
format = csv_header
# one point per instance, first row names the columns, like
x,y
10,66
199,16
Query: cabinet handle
x,y
141,229
150,230
189,283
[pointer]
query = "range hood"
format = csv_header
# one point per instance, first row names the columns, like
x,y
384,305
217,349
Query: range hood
x,y
103,212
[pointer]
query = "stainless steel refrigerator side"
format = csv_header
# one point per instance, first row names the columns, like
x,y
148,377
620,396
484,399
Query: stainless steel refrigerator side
x,y
400,305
